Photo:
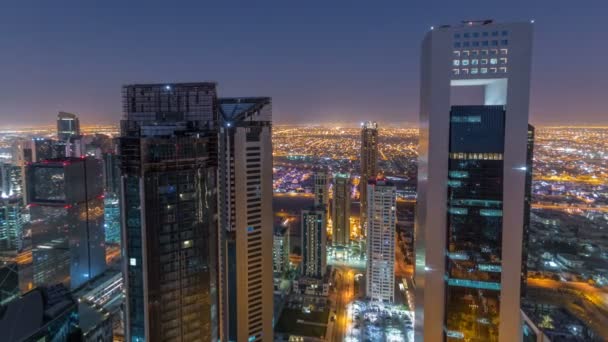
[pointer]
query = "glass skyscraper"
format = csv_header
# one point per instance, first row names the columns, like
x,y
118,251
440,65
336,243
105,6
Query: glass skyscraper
x,y
474,171
369,164
169,197
314,242
340,216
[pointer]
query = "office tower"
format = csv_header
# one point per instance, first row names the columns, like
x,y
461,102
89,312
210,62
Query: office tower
x,y
381,223
368,160
43,314
280,249
68,125
321,188
169,201
245,153
111,173
11,180
11,224
111,222
41,149
341,209
314,242
472,167
66,206
527,206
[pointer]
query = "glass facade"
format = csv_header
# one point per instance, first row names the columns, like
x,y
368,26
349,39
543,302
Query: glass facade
x,y
474,218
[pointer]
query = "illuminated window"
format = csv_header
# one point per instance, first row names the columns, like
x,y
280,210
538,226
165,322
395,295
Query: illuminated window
x,y
474,61
503,69
474,71
465,71
493,70
493,61
474,52
484,61
467,119
484,52
132,261
465,53
465,62
455,71
494,52
484,70
504,51
456,53
503,60
187,244
456,62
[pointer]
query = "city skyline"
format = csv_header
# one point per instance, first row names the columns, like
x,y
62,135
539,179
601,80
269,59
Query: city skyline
x,y
348,47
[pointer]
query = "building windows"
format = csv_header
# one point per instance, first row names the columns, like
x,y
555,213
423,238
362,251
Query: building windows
x,y
504,51
493,61
475,34
465,44
484,70
503,60
504,42
484,61
504,33
484,43
474,61
465,62
456,35
457,44
456,62
132,262
465,53
475,53
475,43
455,71
474,71
465,71
456,53
493,70
503,69
467,35
485,34
494,33
484,52
495,43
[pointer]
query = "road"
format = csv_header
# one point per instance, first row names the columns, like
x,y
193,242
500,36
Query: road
x,y
344,294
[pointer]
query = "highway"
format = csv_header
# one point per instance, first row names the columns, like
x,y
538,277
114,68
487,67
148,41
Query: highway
x,y
343,295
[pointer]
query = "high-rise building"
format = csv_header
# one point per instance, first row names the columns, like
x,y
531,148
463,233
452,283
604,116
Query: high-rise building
x,y
321,188
11,224
280,249
168,155
381,223
245,154
340,214
314,242
472,171
68,125
527,207
41,149
111,222
11,180
66,206
369,161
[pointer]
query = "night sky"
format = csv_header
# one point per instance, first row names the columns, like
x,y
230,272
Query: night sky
x,y
319,60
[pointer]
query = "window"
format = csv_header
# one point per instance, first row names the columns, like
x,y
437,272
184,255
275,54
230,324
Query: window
x,y
495,43
475,43
187,244
495,34
456,53
503,60
484,61
465,53
494,52
484,70
493,61
465,62
474,52
504,33
467,35
474,71
504,42
465,44
457,44
503,69
457,35
456,62
504,51
455,71
132,261
485,34
465,71
493,70
474,61
475,34
484,52
484,43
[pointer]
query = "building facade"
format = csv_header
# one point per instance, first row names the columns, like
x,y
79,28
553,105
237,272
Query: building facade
x,y
246,219
369,164
340,215
314,242
280,250
169,200
382,221
472,172
66,207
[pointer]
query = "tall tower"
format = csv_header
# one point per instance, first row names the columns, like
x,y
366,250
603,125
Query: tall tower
x,y
341,209
321,188
472,167
66,205
169,200
314,242
381,221
369,160
245,154
68,125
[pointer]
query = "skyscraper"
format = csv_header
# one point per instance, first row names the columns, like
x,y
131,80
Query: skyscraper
x,y
280,249
472,181
314,241
11,224
66,205
68,125
341,209
368,160
245,154
169,200
321,188
381,223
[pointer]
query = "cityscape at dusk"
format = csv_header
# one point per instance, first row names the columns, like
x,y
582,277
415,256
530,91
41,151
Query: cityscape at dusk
x,y
303,172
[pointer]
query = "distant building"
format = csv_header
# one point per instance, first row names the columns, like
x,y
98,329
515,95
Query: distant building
x,y
43,314
11,224
473,171
382,221
41,149
280,249
321,188
68,125
547,323
369,164
111,222
314,243
312,286
11,180
341,210
66,205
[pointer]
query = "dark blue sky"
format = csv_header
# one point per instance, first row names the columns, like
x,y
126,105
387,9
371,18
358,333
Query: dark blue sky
x,y
319,60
